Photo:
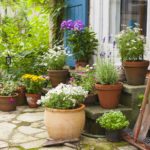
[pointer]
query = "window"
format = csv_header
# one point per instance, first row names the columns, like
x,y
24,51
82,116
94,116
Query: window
x,y
134,11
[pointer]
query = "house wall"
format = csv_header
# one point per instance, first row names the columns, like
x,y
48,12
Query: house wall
x,y
105,21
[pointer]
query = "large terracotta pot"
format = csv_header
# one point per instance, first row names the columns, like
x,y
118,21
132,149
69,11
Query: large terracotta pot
x,y
21,98
135,71
58,76
64,124
32,100
109,95
8,103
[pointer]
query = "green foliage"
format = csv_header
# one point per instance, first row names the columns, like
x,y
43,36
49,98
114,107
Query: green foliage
x,y
24,44
106,72
7,88
140,99
55,58
131,44
86,80
113,120
64,97
83,44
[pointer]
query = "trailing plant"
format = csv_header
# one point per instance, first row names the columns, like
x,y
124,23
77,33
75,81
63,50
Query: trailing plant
x,y
82,41
131,44
113,120
64,97
106,72
55,58
7,88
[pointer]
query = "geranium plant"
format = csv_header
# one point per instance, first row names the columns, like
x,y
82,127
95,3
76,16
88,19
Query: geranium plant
x,y
64,97
33,83
55,58
113,120
81,40
131,44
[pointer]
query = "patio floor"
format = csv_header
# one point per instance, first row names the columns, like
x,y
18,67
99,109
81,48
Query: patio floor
x,y
24,129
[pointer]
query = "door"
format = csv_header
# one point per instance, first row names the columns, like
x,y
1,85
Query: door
x,y
75,10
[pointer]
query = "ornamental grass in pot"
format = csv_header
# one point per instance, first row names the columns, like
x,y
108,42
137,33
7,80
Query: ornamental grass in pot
x,y
82,41
107,86
54,60
113,122
64,115
33,85
131,47
8,96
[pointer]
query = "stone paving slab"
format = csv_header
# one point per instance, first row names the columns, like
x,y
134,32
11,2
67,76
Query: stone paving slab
x,y
24,130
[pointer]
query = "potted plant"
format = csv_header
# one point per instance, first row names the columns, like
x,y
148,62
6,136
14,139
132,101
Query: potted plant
x,y
113,122
33,85
107,86
131,47
55,60
81,40
87,80
8,96
64,115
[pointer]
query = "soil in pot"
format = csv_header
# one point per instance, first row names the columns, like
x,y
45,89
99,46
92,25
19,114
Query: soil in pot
x,y
64,124
58,76
113,135
135,72
32,100
8,103
109,95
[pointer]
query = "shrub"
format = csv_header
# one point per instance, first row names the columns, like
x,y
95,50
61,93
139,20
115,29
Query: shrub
x,y
113,120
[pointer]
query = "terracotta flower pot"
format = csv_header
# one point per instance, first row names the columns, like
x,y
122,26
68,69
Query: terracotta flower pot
x,y
91,99
58,76
81,63
21,98
64,124
8,103
135,71
109,95
32,100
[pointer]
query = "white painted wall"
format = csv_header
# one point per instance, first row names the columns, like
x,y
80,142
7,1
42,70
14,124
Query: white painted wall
x,y
105,20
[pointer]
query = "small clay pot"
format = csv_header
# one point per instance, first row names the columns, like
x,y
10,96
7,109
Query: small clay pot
x,y
32,100
58,76
113,135
8,103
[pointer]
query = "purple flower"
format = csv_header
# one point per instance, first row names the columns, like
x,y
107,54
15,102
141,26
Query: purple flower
x,y
104,40
78,25
114,43
63,24
70,25
102,54
11,100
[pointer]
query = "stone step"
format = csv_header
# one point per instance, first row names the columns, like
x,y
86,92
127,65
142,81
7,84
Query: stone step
x,y
93,112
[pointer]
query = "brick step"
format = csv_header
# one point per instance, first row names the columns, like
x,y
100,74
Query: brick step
x,y
93,112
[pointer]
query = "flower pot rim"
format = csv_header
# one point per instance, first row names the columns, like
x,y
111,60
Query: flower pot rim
x,y
117,85
62,70
82,106
143,63
15,95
